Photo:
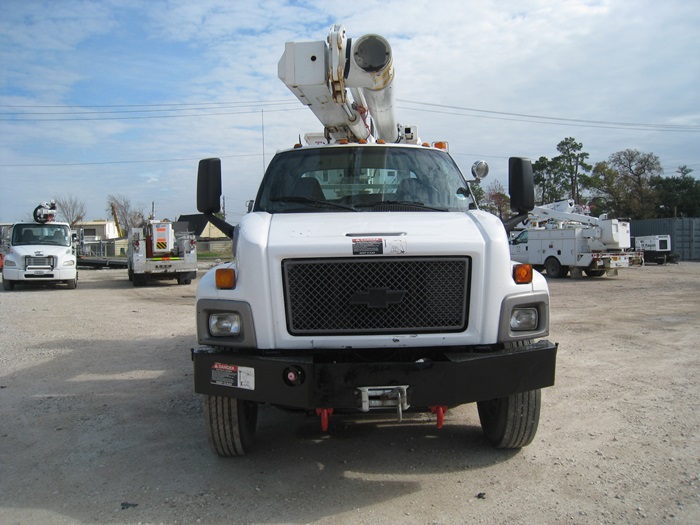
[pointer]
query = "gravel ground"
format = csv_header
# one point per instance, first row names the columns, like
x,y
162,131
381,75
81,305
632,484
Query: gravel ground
x,y
99,424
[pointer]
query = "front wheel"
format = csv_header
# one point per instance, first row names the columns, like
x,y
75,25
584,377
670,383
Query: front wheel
x,y
511,421
72,283
231,424
554,268
8,285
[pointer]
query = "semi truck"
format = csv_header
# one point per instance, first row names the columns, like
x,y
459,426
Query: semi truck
x,y
560,239
42,251
161,250
365,278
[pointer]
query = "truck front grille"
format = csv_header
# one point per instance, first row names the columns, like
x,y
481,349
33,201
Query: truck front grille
x,y
39,262
376,295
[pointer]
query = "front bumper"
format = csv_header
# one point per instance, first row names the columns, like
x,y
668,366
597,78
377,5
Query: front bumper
x,y
452,377
48,274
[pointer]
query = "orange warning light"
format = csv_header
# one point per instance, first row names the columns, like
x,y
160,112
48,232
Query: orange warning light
x,y
225,279
522,273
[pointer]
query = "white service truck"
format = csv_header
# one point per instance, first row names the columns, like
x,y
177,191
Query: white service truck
x,y
365,277
161,250
42,251
560,239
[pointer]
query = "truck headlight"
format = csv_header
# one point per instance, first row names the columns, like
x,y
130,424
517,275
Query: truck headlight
x,y
69,263
9,263
222,325
524,319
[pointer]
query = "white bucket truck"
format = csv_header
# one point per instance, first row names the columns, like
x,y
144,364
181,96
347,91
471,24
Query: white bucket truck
x,y
560,238
161,250
364,276
42,251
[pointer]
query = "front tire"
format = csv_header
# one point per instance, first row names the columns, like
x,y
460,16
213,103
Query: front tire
x,y
8,285
72,283
554,268
511,422
231,424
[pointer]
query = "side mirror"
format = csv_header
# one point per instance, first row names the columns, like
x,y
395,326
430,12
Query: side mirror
x,y
521,185
209,186
209,194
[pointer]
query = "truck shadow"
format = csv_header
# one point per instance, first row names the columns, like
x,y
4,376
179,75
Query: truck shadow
x,y
114,433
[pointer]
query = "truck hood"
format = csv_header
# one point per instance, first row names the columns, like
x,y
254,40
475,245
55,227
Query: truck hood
x,y
40,250
396,233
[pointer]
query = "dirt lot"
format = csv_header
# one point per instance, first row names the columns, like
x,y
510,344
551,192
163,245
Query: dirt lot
x,y
98,422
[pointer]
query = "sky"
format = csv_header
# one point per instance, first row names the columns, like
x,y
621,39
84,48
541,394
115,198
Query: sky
x,y
123,97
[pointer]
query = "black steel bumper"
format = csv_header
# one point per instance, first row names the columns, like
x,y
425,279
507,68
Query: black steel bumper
x,y
456,378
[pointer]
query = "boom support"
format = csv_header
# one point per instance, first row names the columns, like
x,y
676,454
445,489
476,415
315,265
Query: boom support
x,y
321,73
562,211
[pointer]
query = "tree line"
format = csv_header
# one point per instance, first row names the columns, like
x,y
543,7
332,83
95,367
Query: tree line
x,y
119,207
629,184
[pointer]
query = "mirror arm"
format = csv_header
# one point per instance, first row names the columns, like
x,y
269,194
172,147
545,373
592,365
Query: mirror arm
x,y
512,222
224,226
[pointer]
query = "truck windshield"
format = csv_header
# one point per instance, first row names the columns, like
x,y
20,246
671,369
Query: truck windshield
x,y
34,233
363,178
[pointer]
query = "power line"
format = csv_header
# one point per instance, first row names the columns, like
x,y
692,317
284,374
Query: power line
x,y
164,104
539,119
122,111
185,109
143,117
105,163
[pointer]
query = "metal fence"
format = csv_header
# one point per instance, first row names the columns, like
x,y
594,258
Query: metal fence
x,y
118,247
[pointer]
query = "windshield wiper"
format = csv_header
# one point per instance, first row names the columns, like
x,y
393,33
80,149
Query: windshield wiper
x,y
415,204
312,202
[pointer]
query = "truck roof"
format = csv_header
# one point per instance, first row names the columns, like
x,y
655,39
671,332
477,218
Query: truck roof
x,y
343,144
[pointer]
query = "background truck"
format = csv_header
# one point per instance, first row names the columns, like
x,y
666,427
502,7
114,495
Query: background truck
x,y
560,239
656,248
365,277
42,251
162,250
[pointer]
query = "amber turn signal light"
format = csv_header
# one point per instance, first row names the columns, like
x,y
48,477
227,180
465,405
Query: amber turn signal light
x,y
522,273
225,279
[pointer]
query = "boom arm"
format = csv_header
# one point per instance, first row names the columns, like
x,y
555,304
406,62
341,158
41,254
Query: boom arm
x,y
561,211
321,73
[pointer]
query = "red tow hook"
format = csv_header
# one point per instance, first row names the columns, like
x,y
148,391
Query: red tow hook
x,y
325,413
440,411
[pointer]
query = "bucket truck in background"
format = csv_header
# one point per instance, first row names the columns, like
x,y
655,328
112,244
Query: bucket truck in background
x,y
42,251
162,250
563,237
